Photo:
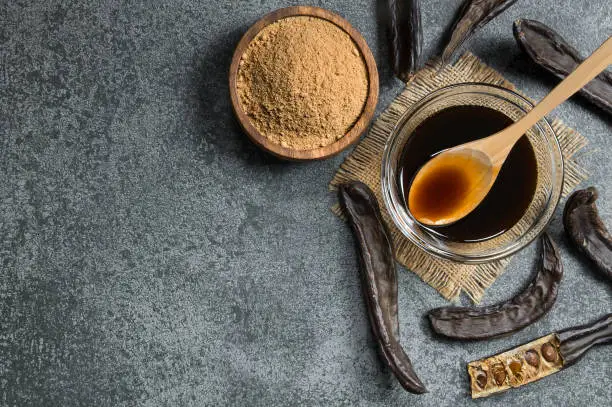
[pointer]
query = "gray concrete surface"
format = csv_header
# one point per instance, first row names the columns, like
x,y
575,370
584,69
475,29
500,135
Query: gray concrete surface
x,y
151,256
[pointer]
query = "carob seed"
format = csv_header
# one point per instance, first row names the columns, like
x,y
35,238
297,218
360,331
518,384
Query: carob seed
x,y
532,358
515,367
549,353
481,379
499,374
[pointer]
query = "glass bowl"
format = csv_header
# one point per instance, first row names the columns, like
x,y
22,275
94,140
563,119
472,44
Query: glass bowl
x,y
549,174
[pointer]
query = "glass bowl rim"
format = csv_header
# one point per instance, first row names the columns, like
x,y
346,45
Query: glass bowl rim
x,y
517,244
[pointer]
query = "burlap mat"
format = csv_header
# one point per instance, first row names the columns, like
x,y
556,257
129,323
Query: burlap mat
x,y
364,164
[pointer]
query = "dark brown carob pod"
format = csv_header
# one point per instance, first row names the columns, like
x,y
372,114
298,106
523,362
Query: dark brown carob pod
x,y
475,323
586,230
405,36
473,15
574,342
550,51
379,279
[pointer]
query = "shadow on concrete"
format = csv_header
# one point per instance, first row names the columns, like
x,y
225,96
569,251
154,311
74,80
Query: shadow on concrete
x,y
218,129
439,45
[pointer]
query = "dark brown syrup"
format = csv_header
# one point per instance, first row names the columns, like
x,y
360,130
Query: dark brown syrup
x,y
444,190
509,197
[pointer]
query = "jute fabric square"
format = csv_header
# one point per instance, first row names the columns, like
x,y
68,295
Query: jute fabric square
x,y
364,164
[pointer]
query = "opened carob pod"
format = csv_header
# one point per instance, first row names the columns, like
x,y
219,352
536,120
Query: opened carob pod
x,y
553,53
586,230
473,15
379,279
537,359
476,323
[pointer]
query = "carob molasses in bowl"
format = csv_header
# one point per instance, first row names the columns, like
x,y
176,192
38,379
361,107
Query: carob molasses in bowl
x,y
523,198
303,83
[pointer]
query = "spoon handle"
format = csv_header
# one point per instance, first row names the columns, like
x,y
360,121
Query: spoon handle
x,y
586,71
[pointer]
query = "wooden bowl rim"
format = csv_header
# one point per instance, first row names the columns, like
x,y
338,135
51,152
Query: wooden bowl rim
x,y
362,121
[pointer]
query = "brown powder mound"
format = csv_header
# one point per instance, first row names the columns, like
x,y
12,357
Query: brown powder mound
x,y
303,82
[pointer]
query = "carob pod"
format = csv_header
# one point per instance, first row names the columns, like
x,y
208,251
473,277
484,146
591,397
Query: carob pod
x,y
537,359
473,15
379,279
405,36
515,367
586,230
574,342
475,323
549,50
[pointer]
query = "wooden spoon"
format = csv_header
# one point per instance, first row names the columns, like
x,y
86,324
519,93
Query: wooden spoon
x,y
467,172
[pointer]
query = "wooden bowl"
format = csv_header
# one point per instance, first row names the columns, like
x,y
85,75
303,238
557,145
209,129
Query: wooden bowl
x,y
362,121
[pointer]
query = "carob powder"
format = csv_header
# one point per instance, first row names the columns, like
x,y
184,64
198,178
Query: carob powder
x,y
302,82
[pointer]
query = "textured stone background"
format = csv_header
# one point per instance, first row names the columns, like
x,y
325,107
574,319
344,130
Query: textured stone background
x,y
151,256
